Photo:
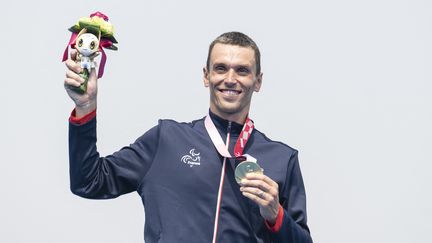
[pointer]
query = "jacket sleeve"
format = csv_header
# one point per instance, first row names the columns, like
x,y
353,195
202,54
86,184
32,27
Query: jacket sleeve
x,y
294,227
95,177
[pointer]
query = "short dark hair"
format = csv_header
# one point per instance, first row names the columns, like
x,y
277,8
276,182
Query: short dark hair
x,y
237,39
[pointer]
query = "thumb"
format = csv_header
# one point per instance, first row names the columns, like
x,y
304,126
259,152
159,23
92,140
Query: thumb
x,y
92,77
92,82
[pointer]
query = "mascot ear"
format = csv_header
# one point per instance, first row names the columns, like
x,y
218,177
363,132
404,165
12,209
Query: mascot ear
x,y
84,30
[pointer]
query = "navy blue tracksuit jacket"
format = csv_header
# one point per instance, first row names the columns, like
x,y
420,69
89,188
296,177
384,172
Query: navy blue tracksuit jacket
x,y
176,170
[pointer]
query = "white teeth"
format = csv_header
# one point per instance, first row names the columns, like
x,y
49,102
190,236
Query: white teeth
x,y
230,92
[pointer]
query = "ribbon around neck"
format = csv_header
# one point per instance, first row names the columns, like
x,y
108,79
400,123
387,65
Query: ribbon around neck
x,y
241,141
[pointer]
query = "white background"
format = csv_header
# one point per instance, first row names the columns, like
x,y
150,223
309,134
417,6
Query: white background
x,y
347,83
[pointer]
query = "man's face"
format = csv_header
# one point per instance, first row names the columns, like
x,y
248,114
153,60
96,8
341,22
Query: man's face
x,y
232,79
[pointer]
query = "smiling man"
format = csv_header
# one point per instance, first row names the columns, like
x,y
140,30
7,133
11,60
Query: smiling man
x,y
186,173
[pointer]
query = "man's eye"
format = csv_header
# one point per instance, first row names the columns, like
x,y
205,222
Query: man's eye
x,y
80,42
243,70
220,68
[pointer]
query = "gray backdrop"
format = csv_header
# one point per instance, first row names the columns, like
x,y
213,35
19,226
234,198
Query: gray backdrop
x,y
347,83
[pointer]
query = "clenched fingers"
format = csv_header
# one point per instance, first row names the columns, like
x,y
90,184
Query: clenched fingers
x,y
73,66
71,82
262,182
72,75
263,191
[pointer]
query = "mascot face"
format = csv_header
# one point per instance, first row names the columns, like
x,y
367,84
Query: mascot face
x,y
87,44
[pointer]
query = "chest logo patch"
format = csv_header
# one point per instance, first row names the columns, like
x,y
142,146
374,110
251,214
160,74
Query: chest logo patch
x,y
191,159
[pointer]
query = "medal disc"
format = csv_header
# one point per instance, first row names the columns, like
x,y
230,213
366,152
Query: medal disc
x,y
246,167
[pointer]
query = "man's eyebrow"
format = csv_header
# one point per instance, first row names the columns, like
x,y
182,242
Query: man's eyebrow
x,y
218,64
243,66
246,65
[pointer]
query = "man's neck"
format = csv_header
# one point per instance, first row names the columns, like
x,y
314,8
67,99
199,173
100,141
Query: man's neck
x,y
239,117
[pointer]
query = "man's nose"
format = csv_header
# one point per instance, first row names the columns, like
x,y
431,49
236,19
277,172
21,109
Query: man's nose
x,y
230,77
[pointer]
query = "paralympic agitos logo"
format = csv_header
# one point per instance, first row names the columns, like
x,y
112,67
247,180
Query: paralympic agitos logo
x,y
192,158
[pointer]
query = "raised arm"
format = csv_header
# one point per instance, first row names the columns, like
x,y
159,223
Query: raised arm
x,y
91,175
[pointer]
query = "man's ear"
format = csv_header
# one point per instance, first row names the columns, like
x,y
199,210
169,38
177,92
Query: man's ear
x,y
205,77
258,82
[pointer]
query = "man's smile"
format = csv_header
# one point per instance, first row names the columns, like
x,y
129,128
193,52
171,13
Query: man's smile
x,y
230,92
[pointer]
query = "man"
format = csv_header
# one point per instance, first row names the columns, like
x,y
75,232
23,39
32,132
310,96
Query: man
x,y
184,172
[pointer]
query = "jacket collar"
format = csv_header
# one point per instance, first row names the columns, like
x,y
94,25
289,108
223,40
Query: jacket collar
x,y
222,124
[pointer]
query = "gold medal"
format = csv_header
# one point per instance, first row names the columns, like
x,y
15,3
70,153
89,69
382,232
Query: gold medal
x,y
246,167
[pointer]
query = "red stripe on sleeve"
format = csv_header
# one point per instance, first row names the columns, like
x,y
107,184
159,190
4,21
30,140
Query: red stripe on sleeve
x,y
276,227
81,120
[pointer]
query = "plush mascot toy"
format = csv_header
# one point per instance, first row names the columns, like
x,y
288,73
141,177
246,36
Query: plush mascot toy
x,y
90,35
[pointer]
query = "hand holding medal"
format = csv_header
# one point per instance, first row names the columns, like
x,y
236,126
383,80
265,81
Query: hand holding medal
x,y
263,191
90,35
258,187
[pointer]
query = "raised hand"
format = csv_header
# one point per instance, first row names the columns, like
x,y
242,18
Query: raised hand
x,y
84,102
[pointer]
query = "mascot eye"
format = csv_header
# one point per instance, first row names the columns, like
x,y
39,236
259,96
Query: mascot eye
x,y
92,45
80,43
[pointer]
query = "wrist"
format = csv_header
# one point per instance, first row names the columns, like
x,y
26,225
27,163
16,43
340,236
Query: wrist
x,y
274,217
84,109
276,225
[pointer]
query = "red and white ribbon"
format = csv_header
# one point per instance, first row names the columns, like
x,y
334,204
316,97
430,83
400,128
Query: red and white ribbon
x,y
221,146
